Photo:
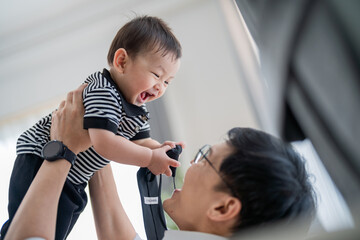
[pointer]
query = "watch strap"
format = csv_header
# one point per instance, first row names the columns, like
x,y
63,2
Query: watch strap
x,y
69,155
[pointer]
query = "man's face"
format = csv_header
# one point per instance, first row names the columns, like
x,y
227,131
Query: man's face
x,y
188,206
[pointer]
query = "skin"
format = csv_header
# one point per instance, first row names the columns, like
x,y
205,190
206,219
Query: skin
x,y
149,73
36,215
111,221
141,80
198,206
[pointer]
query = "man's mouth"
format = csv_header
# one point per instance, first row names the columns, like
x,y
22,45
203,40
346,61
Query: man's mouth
x,y
176,191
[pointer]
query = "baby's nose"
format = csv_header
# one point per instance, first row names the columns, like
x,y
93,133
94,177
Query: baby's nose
x,y
157,87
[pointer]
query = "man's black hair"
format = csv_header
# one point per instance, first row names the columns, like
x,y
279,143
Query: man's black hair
x,y
269,177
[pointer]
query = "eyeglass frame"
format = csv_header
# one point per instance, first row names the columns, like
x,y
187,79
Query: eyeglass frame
x,y
200,155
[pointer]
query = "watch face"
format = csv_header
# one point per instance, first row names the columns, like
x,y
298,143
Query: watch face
x,y
52,150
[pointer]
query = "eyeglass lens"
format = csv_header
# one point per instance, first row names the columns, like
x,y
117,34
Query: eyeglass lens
x,y
203,152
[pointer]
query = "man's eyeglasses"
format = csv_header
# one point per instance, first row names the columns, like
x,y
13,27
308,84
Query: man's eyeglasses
x,y
202,154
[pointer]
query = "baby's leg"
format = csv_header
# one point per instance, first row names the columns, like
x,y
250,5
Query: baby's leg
x,y
72,202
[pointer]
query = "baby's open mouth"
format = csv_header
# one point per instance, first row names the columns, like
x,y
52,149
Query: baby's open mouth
x,y
145,96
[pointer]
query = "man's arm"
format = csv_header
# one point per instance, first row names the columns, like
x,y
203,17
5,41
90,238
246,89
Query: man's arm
x,y
111,221
36,215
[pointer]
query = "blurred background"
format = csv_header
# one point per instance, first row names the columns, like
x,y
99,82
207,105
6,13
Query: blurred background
x,y
48,48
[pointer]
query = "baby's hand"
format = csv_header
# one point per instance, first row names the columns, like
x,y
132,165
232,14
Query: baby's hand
x,y
160,162
173,144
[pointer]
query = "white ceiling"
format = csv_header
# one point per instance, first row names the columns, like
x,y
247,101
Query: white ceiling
x,y
49,48
43,43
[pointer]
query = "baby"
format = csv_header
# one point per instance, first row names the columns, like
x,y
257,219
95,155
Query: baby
x,y
144,58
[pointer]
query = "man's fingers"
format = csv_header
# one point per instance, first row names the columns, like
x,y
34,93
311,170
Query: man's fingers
x,y
78,93
69,97
62,104
53,115
81,87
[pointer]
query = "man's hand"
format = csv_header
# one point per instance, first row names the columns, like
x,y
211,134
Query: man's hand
x,y
67,122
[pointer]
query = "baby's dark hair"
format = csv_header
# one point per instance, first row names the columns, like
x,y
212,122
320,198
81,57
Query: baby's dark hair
x,y
269,178
144,34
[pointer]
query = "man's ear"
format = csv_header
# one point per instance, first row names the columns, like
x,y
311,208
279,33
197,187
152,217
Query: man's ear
x,y
225,208
120,59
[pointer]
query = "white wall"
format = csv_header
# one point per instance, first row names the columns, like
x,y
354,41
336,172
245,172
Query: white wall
x,y
49,47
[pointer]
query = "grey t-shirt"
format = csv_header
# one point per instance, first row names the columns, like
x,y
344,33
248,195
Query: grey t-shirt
x,y
188,235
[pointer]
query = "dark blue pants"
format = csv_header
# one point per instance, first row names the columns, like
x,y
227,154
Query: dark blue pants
x,y
72,200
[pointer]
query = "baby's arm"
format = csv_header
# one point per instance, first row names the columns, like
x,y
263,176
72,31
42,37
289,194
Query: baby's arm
x,y
152,144
121,150
148,142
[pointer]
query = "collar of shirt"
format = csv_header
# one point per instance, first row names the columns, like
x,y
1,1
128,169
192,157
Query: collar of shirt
x,y
189,235
130,109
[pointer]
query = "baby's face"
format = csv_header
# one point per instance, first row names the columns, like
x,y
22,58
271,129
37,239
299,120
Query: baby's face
x,y
147,77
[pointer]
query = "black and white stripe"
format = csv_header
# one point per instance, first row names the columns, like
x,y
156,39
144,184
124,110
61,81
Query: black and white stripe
x,y
105,108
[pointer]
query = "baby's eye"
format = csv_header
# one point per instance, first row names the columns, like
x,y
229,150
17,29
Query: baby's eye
x,y
157,76
166,82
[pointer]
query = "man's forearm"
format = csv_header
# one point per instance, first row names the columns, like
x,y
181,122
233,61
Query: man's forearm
x,y
36,215
40,203
110,217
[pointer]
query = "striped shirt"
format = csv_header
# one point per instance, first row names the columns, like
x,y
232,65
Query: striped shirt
x,y
105,108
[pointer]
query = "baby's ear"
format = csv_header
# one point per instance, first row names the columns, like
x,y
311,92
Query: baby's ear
x,y
120,58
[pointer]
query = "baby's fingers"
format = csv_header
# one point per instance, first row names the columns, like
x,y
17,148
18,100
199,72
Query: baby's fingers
x,y
174,163
168,172
169,143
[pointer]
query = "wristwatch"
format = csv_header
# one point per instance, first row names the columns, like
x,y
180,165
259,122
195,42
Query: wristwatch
x,y
55,150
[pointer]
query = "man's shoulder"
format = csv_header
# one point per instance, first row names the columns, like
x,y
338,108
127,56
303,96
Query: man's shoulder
x,y
175,235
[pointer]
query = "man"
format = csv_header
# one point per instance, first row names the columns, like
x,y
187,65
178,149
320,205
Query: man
x,y
250,180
